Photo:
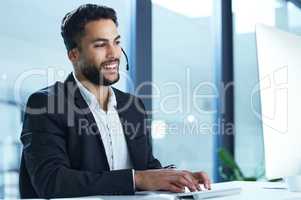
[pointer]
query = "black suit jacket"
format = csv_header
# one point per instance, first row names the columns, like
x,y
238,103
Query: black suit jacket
x,y
63,154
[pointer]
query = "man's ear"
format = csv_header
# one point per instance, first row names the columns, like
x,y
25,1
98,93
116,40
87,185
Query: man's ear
x,y
73,55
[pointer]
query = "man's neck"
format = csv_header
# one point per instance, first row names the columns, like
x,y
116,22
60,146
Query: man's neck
x,y
101,93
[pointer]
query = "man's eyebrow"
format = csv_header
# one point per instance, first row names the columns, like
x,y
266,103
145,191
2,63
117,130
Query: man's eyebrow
x,y
104,39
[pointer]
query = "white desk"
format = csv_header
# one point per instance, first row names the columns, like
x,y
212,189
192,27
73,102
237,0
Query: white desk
x,y
258,191
250,191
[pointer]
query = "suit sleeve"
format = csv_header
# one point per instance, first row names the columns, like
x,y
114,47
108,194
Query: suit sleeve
x,y
46,159
153,163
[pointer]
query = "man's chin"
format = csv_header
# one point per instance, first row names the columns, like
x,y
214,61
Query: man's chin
x,y
101,79
110,81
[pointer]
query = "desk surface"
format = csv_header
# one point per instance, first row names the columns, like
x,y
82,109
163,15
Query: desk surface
x,y
250,191
259,191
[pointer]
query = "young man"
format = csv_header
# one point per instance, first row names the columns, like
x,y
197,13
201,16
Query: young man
x,y
84,137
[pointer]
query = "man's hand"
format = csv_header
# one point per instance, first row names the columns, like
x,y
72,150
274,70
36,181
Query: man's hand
x,y
202,178
170,180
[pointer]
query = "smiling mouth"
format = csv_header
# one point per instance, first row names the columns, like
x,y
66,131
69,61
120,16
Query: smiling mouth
x,y
111,67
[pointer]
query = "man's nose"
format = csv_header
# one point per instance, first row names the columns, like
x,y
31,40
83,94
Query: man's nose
x,y
113,51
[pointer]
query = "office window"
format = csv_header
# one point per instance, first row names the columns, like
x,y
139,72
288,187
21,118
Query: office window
x,y
248,138
182,50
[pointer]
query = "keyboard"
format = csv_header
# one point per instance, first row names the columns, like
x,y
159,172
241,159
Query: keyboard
x,y
194,195
208,193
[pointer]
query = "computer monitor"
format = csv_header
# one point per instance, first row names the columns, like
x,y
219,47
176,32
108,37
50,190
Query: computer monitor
x,y
279,67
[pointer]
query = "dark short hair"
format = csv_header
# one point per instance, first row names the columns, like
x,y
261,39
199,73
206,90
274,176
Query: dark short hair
x,y
73,24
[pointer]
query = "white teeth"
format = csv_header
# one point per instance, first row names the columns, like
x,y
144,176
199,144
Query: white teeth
x,y
112,66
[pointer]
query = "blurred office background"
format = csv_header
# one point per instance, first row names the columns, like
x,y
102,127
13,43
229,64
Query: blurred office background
x,y
172,43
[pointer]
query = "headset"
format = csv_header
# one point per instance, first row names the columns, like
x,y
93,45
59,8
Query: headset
x,y
127,59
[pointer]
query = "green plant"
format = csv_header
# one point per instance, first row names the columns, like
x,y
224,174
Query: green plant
x,y
229,169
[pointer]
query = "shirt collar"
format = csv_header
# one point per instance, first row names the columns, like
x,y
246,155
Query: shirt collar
x,y
91,99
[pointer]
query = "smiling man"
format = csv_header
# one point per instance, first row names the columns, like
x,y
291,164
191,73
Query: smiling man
x,y
78,136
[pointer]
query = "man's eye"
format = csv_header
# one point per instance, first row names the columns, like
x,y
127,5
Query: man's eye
x,y
118,42
99,45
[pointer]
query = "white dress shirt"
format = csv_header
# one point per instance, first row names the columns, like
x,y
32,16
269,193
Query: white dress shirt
x,y
110,129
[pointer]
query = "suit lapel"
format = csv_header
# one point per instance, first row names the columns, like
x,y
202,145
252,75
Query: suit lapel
x,y
84,109
123,109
